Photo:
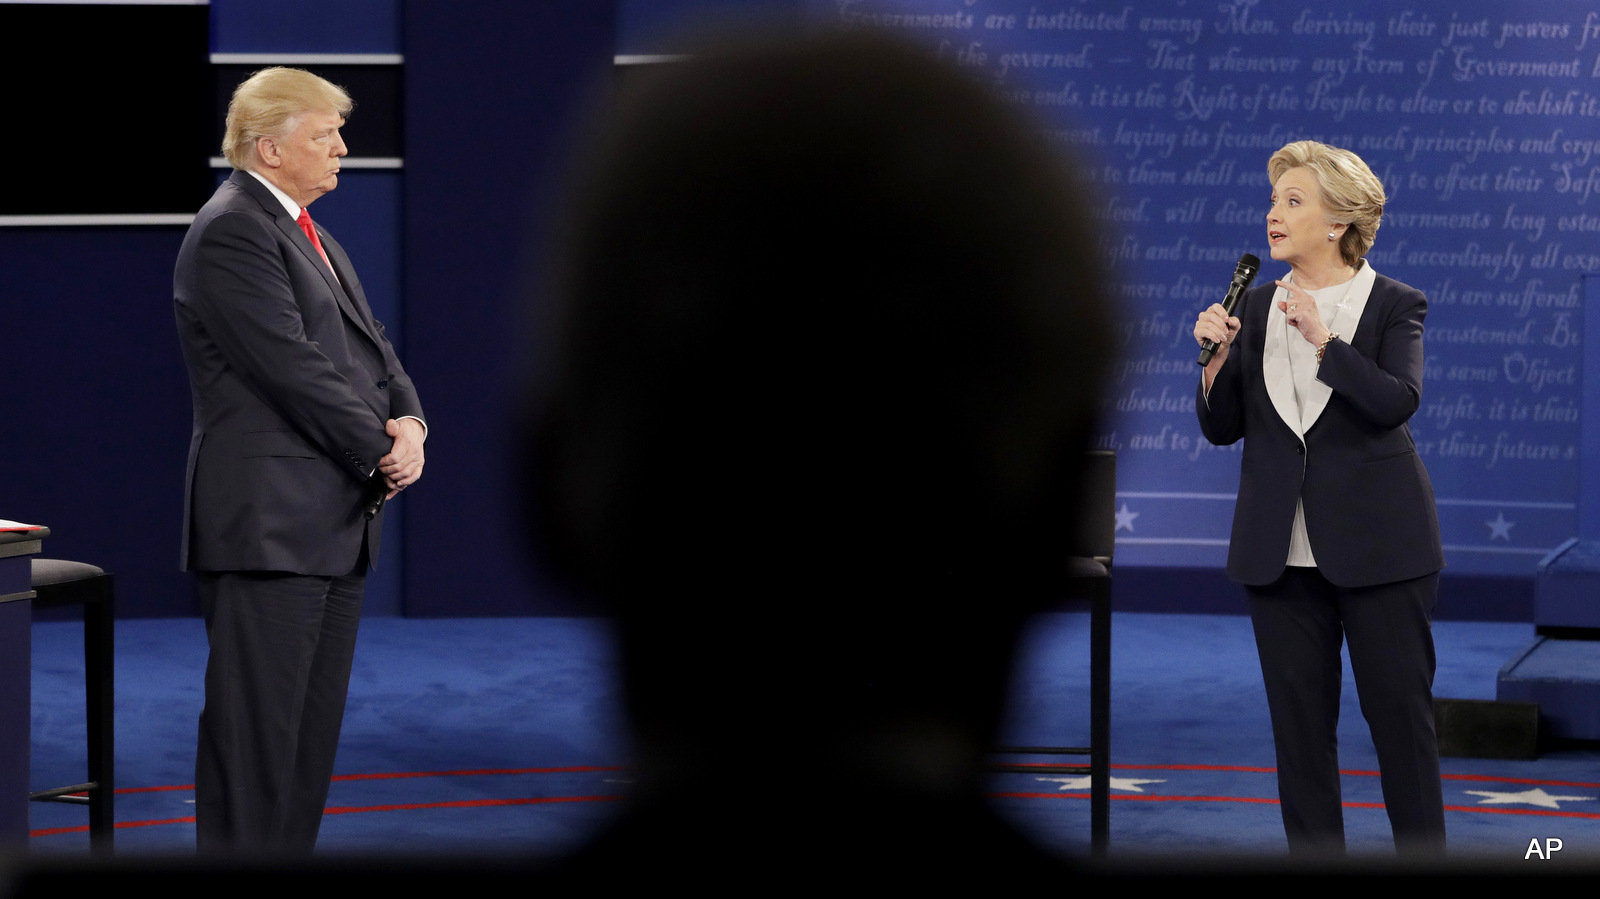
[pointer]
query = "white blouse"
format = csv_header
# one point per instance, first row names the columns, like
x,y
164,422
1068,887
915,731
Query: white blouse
x,y
1303,365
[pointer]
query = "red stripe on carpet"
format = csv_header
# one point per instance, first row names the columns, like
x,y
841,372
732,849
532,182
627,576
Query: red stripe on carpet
x,y
584,769
1143,797
351,810
1535,812
465,803
52,831
469,772
1245,768
544,800
1475,778
396,775
1160,767
1522,780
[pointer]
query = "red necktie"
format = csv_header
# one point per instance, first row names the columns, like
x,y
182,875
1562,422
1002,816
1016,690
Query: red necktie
x,y
304,221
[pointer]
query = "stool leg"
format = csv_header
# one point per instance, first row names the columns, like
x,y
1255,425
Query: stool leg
x,y
1100,719
99,653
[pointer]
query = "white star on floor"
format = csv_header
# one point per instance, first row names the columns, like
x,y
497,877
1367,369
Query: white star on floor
x,y
1500,529
1536,796
1125,519
1129,784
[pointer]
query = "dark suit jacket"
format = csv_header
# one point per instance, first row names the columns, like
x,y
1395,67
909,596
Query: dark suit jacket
x,y
1369,505
292,381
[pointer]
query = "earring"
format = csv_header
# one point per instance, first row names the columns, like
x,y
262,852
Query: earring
x,y
1332,236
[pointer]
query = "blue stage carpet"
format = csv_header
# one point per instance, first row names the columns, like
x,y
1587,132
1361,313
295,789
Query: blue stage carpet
x,y
505,736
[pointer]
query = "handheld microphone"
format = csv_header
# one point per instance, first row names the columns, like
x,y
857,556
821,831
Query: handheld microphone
x,y
1243,274
377,492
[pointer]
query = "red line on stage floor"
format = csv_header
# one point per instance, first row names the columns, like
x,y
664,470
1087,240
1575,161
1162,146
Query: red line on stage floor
x,y
1475,778
468,772
1537,812
1263,800
464,803
1143,797
352,810
397,775
588,769
548,800
1259,800
1244,768
84,828
1522,780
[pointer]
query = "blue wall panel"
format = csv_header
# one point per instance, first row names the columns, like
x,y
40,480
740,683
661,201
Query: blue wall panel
x,y
647,27
305,26
95,414
492,91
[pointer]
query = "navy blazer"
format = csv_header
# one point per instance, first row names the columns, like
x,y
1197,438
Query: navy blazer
x,y
1369,505
292,381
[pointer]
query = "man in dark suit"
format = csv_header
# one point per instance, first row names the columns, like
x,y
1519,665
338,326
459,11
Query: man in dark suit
x,y
303,420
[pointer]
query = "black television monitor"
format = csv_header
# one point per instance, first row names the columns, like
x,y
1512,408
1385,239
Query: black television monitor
x,y
106,109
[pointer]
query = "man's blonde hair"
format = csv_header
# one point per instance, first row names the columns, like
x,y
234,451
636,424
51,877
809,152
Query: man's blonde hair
x,y
270,103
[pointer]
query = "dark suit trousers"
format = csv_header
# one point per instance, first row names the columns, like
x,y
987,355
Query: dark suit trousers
x,y
279,669
1300,622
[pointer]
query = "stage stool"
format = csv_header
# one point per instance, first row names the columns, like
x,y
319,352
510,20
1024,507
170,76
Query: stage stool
x,y
57,582
1087,575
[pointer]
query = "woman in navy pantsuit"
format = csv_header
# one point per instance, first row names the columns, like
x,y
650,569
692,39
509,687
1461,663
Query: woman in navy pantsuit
x,y
1335,534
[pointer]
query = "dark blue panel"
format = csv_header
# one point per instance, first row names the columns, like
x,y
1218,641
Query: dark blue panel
x,y
652,26
491,90
96,413
363,214
305,26
16,623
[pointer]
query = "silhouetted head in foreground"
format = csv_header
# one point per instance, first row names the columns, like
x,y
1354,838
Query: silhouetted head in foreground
x,y
826,353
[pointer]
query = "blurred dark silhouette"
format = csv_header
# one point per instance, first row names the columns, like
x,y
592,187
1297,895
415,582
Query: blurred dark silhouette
x,y
827,345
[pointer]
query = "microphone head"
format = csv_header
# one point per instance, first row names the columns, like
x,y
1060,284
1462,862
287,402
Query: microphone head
x,y
1248,265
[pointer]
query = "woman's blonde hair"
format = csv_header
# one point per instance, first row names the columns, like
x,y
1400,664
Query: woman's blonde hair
x,y
1351,194
270,103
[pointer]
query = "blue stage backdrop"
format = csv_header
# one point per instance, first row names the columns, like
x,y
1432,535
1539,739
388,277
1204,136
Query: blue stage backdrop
x,y
1482,119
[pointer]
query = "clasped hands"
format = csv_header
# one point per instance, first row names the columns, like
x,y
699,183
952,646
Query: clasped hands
x,y
403,465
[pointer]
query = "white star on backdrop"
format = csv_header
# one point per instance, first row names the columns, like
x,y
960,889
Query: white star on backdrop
x,y
1536,796
1131,785
1125,519
1500,529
